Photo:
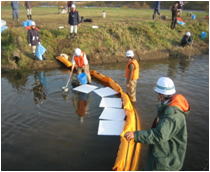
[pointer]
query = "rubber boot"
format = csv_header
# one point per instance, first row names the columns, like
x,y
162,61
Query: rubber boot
x,y
30,17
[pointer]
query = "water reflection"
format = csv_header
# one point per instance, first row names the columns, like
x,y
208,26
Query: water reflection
x,y
80,103
176,65
184,64
18,79
39,87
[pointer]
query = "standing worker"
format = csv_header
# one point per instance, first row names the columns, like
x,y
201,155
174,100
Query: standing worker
x,y
33,37
80,61
28,10
168,136
174,12
156,9
15,10
73,20
132,75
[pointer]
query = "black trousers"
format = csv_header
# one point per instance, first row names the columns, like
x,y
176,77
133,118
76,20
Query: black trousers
x,y
173,22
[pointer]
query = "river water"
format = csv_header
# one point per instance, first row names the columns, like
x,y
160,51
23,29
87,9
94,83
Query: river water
x,y
43,129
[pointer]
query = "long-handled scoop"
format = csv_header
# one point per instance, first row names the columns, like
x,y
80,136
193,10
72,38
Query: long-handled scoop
x,y
65,88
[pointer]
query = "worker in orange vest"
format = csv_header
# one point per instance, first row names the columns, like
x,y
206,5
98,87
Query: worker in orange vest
x,y
132,75
80,61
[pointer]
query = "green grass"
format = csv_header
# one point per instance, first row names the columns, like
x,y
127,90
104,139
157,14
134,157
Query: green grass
x,y
123,29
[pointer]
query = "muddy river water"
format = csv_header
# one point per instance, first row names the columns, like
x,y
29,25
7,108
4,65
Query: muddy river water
x,y
43,129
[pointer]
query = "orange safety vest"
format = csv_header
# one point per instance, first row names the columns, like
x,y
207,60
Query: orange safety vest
x,y
79,60
135,72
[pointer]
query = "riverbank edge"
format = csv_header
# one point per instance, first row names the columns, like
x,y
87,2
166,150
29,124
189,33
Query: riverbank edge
x,y
176,52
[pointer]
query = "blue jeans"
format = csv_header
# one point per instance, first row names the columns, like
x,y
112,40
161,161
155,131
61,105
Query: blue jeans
x,y
15,14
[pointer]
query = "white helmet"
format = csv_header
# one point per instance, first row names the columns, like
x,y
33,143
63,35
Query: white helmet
x,y
188,33
165,86
33,23
77,52
73,6
129,53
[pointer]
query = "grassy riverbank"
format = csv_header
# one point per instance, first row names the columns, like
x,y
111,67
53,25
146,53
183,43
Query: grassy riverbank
x,y
122,29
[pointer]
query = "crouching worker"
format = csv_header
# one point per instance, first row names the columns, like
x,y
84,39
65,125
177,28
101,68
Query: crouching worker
x,y
187,39
132,75
33,37
80,62
168,135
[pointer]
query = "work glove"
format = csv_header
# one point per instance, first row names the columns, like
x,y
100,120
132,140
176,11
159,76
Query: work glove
x,y
29,45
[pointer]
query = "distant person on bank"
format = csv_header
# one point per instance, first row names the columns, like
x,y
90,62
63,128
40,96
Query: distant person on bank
x,y
156,9
174,14
167,137
187,39
73,20
15,10
33,37
28,10
104,14
132,75
180,7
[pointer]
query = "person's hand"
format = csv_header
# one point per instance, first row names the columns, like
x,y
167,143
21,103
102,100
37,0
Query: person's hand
x,y
29,45
129,135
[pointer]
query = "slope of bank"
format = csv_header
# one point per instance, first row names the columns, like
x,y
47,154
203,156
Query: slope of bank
x,y
107,44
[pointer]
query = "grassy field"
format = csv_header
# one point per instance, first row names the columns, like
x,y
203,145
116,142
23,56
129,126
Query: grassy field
x,y
123,29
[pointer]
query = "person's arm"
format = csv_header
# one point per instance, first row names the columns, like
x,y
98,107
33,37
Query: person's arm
x,y
29,37
85,60
69,17
162,133
38,37
190,40
131,68
183,40
78,21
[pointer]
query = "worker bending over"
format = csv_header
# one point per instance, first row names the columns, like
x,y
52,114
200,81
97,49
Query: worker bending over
x,y
80,62
168,135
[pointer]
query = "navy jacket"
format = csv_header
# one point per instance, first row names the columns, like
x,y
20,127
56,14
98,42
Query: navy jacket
x,y
186,40
15,5
33,37
74,18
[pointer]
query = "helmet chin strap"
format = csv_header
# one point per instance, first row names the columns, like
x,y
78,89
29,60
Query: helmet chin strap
x,y
166,100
